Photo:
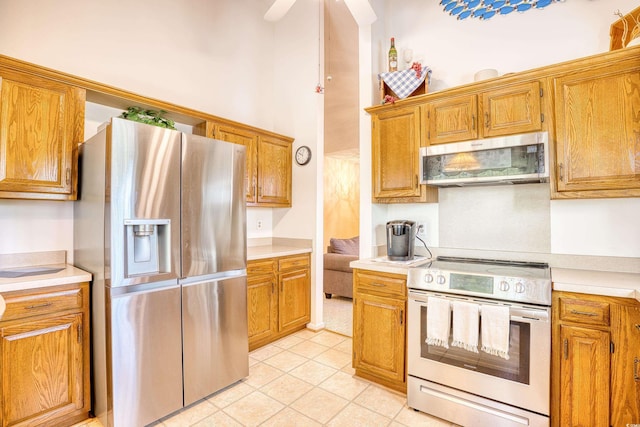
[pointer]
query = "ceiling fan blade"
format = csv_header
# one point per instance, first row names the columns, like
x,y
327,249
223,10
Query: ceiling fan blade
x,y
278,9
362,11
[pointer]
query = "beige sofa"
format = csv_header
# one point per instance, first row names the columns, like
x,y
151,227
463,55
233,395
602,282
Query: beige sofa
x,y
338,276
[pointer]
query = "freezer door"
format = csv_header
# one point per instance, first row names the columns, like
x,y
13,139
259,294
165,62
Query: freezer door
x,y
216,346
143,191
213,206
146,356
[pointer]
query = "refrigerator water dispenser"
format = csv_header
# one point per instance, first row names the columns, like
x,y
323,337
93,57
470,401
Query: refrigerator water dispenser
x,y
147,246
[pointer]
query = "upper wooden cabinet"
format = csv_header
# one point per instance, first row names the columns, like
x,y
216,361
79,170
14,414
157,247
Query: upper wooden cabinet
x,y
274,172
268,171
598,131
512,109
250,140
502,111
452,119
41,125
396,141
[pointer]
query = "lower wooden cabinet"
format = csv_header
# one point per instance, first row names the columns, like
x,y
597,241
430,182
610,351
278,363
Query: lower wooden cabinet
x,y
44,365
278,297
595,361
379,329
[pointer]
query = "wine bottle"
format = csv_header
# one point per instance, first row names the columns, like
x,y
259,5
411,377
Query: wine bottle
x,y
393,56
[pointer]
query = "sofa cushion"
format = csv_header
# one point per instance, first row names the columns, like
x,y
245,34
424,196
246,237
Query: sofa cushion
x,y
338,262
345,246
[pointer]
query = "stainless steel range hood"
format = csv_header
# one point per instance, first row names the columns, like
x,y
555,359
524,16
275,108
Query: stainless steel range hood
x,y
513,159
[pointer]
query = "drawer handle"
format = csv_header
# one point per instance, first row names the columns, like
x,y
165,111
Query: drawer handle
x,y
566,349
378,285
636,377
32,307
637,325
584,313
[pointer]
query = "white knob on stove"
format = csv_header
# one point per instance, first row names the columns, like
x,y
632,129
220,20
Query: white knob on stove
x,y
504,286
520,287
440,280
428,278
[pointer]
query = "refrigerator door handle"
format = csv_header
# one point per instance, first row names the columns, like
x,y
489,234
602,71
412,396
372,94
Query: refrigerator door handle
x,y
144,287
196,280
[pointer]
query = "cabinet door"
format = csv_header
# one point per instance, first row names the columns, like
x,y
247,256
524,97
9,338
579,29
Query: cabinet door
x,y
597,128
395,153
41,125
294,299
453,119
249,140
42,371
379,336
584,377
512,110
625,375
274,172
262,308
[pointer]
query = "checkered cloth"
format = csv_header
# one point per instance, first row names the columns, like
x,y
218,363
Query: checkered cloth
x,y
404,82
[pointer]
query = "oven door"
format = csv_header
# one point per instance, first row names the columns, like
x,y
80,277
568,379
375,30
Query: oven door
x,y
521,381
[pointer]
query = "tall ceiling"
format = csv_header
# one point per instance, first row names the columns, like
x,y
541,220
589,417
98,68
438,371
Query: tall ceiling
x,y
341,113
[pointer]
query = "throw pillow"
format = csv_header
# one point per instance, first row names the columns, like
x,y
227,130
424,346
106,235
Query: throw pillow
x,y
346,246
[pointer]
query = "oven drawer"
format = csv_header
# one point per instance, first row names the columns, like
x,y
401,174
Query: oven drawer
x,y
584,311
380,283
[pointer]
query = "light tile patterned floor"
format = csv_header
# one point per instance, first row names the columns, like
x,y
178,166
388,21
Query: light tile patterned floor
x,y
303,380
338,315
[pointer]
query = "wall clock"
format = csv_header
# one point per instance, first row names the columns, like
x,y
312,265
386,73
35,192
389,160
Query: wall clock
x,y
303,155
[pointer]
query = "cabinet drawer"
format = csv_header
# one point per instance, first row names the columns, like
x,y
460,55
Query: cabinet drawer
x,y
584,311
293,262
382,284
263,266
26,304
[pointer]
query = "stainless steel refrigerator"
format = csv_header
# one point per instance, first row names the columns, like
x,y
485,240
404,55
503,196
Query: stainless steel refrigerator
x,y
160,223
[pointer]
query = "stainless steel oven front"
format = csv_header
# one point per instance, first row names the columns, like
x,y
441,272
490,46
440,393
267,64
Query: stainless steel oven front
x,y
479,389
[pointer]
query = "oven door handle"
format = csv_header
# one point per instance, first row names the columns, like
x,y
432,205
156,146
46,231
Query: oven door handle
x,y
515,313
477,406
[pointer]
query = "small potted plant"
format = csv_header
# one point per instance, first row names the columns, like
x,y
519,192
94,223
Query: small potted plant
x,y
150,117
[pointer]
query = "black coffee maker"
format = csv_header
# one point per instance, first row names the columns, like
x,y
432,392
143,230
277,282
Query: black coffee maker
x,y
401,238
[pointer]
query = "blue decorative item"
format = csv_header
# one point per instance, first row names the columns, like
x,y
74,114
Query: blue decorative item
x,y
457,10
487,9
450,6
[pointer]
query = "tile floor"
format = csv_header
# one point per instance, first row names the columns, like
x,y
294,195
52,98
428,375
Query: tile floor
x,y
337,313
303,380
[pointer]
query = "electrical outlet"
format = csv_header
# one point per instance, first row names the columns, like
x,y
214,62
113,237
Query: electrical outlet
x,y
259,224
422,229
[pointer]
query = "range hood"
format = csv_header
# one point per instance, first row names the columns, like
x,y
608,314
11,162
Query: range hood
x,y
514,159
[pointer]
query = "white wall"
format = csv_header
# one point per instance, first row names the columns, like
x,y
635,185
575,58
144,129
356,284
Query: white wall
x,y
217,57
456,50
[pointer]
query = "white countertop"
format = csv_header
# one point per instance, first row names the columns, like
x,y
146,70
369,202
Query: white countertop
x,y
69,274
382,264
270,251
607,283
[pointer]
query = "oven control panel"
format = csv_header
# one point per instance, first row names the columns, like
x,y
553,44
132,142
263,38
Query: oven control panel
x,y
509,288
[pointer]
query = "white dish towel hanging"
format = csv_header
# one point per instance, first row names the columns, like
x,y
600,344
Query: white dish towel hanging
x,y
495,330
466,321
438,321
